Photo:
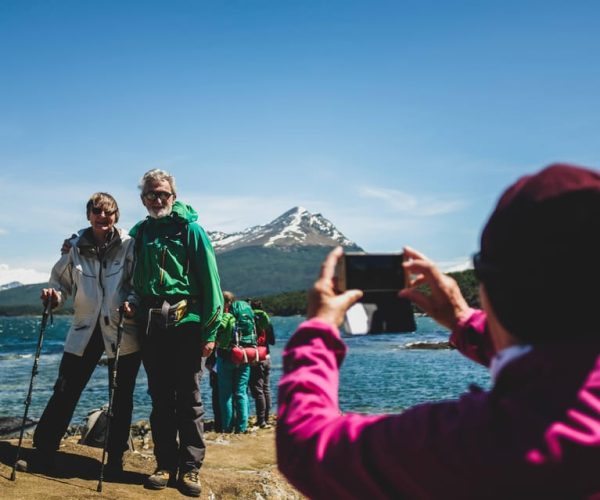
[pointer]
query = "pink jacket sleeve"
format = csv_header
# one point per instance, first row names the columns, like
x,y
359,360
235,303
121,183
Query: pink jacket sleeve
x,y
472,338
329,455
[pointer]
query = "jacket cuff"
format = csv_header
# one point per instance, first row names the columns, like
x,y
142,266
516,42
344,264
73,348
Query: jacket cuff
x,y
210,336
61,299
133,299
319,324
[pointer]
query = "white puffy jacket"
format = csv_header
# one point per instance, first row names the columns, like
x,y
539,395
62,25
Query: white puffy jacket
x,y
100,287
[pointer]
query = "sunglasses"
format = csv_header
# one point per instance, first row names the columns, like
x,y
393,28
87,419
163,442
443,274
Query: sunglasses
x,y
483,269
153,195
98,211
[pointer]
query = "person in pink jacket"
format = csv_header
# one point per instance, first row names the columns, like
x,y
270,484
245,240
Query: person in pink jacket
x,y
536,433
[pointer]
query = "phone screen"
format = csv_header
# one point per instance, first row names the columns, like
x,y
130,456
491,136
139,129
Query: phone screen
x,y
374,272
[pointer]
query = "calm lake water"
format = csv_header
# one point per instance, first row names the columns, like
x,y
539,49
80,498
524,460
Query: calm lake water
x,y
379,375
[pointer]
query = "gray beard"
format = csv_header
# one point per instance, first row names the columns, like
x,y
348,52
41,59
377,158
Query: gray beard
x,y
153,214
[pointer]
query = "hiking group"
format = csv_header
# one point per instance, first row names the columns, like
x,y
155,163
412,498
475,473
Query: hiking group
x,y
242,363
152,296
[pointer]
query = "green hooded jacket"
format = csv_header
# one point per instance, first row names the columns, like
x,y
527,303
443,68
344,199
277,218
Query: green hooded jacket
x,y
162,260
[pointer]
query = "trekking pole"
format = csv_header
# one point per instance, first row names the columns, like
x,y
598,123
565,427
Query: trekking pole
x,y
111,393
34,371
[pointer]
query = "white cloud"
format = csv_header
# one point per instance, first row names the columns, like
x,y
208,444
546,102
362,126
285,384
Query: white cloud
x,y
456,265
402,202
22,275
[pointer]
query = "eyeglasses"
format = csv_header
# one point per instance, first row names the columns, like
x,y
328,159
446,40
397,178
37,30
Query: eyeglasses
x,y
98,211
153,195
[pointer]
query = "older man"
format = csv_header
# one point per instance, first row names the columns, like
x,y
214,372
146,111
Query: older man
x,y
180,306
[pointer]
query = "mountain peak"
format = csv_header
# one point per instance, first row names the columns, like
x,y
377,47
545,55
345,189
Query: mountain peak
x,y
295,210
295,227
12,284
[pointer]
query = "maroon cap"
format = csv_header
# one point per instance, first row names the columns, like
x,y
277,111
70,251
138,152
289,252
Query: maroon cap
x,y
540,249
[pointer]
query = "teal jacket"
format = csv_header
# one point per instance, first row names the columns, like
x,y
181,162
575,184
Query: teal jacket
x,y
171,263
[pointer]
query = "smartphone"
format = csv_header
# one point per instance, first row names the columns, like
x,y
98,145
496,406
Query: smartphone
x,y
380,277
370,272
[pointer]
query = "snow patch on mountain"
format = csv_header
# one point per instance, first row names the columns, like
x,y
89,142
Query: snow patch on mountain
x,y
296,227
12,284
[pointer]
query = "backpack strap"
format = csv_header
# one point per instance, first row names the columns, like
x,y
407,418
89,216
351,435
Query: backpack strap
x,y
254,334
235,338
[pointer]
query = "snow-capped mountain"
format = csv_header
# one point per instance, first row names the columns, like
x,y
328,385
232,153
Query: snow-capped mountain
x,y
296,227
12,284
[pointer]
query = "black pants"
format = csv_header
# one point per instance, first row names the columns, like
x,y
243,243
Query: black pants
x,y
73,375
260,389
173,361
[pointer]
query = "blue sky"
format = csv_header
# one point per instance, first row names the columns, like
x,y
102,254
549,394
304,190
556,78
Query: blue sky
x,y
400,121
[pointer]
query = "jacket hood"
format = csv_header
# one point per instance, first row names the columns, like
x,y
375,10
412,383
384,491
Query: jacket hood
x,y
88,246
85,238
185,212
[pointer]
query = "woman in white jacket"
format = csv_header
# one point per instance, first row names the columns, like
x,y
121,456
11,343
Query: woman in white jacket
x,y
97,270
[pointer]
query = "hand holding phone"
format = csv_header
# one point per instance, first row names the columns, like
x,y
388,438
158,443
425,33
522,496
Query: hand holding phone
x,y
323,301
380,277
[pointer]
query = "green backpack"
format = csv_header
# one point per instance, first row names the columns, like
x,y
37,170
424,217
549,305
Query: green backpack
x,y
225,332
245,329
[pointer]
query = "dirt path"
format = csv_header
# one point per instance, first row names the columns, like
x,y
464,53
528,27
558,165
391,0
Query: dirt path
x,y
236,466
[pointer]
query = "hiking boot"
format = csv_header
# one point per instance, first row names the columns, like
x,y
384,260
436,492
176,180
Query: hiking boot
x,y
189,483
160,479
264,425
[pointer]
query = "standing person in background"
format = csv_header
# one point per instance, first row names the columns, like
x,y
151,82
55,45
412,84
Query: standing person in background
x,y
237,328
97,269
536,433
179,307
260,386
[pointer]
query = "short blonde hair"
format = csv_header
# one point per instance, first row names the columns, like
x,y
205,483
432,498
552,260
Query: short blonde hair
x,y
104,201
157,175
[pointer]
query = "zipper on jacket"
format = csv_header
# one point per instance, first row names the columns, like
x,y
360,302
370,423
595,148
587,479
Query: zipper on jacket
x,y
162,266
100,280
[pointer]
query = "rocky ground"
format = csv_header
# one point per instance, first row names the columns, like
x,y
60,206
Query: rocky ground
x,y
236,466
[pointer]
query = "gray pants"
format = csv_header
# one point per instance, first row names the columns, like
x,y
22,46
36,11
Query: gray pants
x,y
260,388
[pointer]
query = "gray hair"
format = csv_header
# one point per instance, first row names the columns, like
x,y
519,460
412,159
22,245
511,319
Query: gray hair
x,y
157,175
